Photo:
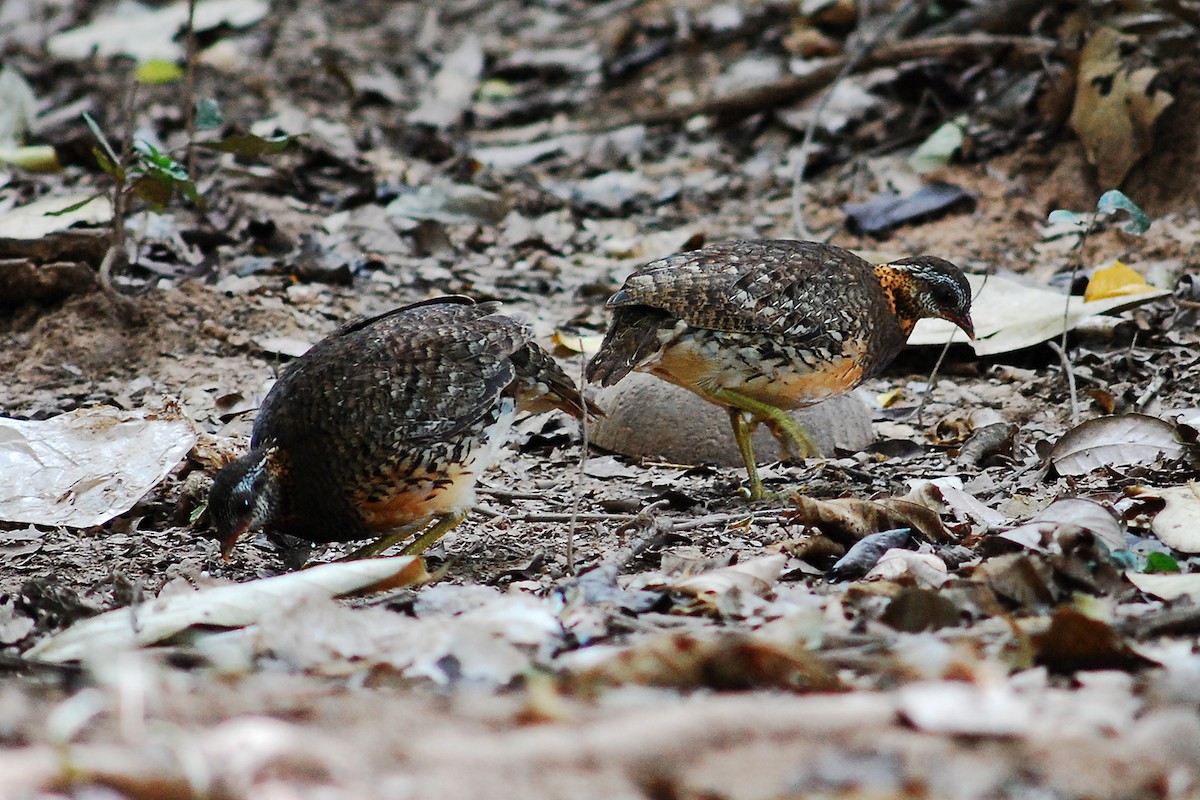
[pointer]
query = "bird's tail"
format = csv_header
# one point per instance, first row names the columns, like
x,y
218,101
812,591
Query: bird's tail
x,y
542,384
632,336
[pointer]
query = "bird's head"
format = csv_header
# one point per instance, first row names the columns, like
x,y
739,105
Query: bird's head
x,y
927,286
244,496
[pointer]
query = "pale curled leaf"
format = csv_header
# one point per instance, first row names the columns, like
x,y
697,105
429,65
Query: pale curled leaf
x,y
52,214
756,576
130,28
452,89
18,107
223,606
961,708
1068,512
1167,586
946,494
1010,316
1118,441
87,466
924,569
1178,524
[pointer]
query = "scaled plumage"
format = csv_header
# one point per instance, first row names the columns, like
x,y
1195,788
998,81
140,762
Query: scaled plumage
x,y
763,326
385,426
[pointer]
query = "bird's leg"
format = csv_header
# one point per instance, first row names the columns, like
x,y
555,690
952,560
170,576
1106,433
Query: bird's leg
x,y
785,429
741,432
444,523
425,540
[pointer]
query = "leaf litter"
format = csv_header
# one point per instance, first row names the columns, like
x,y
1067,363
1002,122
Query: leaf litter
x,y
632,627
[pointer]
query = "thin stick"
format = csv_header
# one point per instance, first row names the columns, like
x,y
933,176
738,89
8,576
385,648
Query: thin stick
x,y
1067,368
796,87
932,376
189,91
938,364
577,497
810,131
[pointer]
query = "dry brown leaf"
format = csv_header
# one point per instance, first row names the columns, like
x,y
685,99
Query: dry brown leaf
x,y
1075,641
1115,107
1117,441
726,661
1068,512
851,519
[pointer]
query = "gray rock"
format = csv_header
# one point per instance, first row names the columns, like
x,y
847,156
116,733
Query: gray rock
x,y
648,417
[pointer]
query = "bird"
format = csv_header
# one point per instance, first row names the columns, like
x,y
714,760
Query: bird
x,y
381,429
763,326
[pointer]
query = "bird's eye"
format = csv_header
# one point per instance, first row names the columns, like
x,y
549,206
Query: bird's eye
x,y
245,504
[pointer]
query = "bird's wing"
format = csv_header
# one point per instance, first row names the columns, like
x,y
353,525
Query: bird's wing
x,y
746,286
422,373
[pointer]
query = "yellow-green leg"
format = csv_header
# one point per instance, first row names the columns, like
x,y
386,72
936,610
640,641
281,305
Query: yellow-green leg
x,y
742,430
785,429
422,543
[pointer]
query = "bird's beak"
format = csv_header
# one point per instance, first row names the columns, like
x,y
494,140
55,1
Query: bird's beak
x,y
230,541
963,321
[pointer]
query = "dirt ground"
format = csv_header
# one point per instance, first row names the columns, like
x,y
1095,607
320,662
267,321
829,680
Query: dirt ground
x,y
1051,676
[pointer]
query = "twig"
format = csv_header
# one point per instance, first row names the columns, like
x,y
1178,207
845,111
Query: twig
x,y
189,91
509,494
932,377
938,364
577,495
1067,368
796,87
653,529
578,516
861,51
715,519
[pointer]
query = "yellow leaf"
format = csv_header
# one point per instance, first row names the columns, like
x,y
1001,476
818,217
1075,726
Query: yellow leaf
x,y
578,344
158,71
888,399
1117,280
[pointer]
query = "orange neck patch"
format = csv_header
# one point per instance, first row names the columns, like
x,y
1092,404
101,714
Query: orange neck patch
x,y
897,284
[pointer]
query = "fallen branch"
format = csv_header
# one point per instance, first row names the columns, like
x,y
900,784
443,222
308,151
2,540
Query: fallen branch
x,y
796,87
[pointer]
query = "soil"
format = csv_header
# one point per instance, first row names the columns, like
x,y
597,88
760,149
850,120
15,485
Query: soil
x,y
211,298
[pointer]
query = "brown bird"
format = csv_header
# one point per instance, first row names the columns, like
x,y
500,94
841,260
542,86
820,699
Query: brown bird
x,y
385,426
763,326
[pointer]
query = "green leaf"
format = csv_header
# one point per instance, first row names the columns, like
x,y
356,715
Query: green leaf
x,y
158,71
247,144
100,137
110,167
208,115
1062,216
74,206
1160,562
1113,201
156,162
939,148
192,193
154,191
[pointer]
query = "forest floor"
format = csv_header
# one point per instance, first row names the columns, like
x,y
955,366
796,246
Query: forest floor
x,y
603,625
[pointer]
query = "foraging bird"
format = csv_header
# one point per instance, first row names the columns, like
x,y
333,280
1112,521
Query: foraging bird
x,y
763,326
384,427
